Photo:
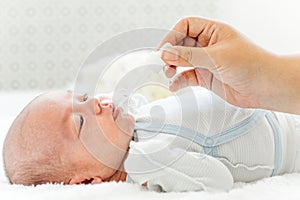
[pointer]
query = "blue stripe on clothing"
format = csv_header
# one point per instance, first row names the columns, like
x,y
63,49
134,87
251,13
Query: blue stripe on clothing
x,y
210,142
277,139
206,141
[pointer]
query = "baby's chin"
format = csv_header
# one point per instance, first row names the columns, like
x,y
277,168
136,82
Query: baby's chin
x,y
126,123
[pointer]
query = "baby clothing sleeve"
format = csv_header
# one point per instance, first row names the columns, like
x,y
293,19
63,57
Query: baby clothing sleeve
x,y
175,170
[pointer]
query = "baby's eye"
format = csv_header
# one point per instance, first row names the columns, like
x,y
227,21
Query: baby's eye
x,y
85,97
80,123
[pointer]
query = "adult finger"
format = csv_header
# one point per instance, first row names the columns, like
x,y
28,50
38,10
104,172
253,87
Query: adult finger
x,y
188,56
184,79
170,71
193,77
176,35
190,27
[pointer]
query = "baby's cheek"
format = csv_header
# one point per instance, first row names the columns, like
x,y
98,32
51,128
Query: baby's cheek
x,y
126,124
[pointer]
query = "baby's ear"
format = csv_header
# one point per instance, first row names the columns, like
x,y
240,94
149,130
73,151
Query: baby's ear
x,y
96,180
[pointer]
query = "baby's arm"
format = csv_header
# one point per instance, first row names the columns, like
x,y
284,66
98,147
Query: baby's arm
x,y
177,170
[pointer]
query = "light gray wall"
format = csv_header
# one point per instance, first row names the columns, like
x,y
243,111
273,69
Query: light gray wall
x,y
43,42
273,24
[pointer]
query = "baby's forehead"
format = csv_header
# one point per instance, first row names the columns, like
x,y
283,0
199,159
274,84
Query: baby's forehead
x,y
39,124
48,107
54,97
48,102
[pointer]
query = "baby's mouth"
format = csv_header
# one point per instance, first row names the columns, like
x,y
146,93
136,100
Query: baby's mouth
x,y
108,102
116,112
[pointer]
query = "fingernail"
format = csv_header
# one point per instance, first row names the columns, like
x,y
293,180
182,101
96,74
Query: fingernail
x,y
170,53
165,68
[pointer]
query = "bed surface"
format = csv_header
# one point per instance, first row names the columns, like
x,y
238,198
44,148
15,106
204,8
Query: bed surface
x,y
280,187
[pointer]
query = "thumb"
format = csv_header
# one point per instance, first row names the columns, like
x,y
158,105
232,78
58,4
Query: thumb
x,y
188,56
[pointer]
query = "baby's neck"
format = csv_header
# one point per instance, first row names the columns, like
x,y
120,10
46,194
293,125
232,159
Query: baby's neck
x,y
119,175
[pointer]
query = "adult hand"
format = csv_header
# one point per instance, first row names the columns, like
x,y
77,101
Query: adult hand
x,y
223,61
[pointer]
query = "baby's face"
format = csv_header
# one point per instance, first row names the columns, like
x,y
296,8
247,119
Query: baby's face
x,y
89,130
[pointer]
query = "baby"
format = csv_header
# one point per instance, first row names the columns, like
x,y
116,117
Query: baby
x,y
188,142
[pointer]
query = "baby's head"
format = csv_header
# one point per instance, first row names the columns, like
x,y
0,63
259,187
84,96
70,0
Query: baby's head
x,y
61,137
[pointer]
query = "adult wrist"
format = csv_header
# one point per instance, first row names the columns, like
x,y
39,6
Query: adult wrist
x,y
282,80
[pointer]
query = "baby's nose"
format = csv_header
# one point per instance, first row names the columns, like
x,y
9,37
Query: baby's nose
x,y
94,104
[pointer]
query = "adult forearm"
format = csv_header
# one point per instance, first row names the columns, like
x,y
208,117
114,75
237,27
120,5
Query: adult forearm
x,y
283,83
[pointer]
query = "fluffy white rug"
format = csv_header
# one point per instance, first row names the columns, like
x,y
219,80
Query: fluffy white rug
x,y
280,187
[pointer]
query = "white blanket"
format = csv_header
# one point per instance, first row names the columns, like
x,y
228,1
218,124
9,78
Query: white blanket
x,y
280,187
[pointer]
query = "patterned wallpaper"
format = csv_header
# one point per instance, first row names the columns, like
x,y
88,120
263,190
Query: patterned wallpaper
x,y
44,42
